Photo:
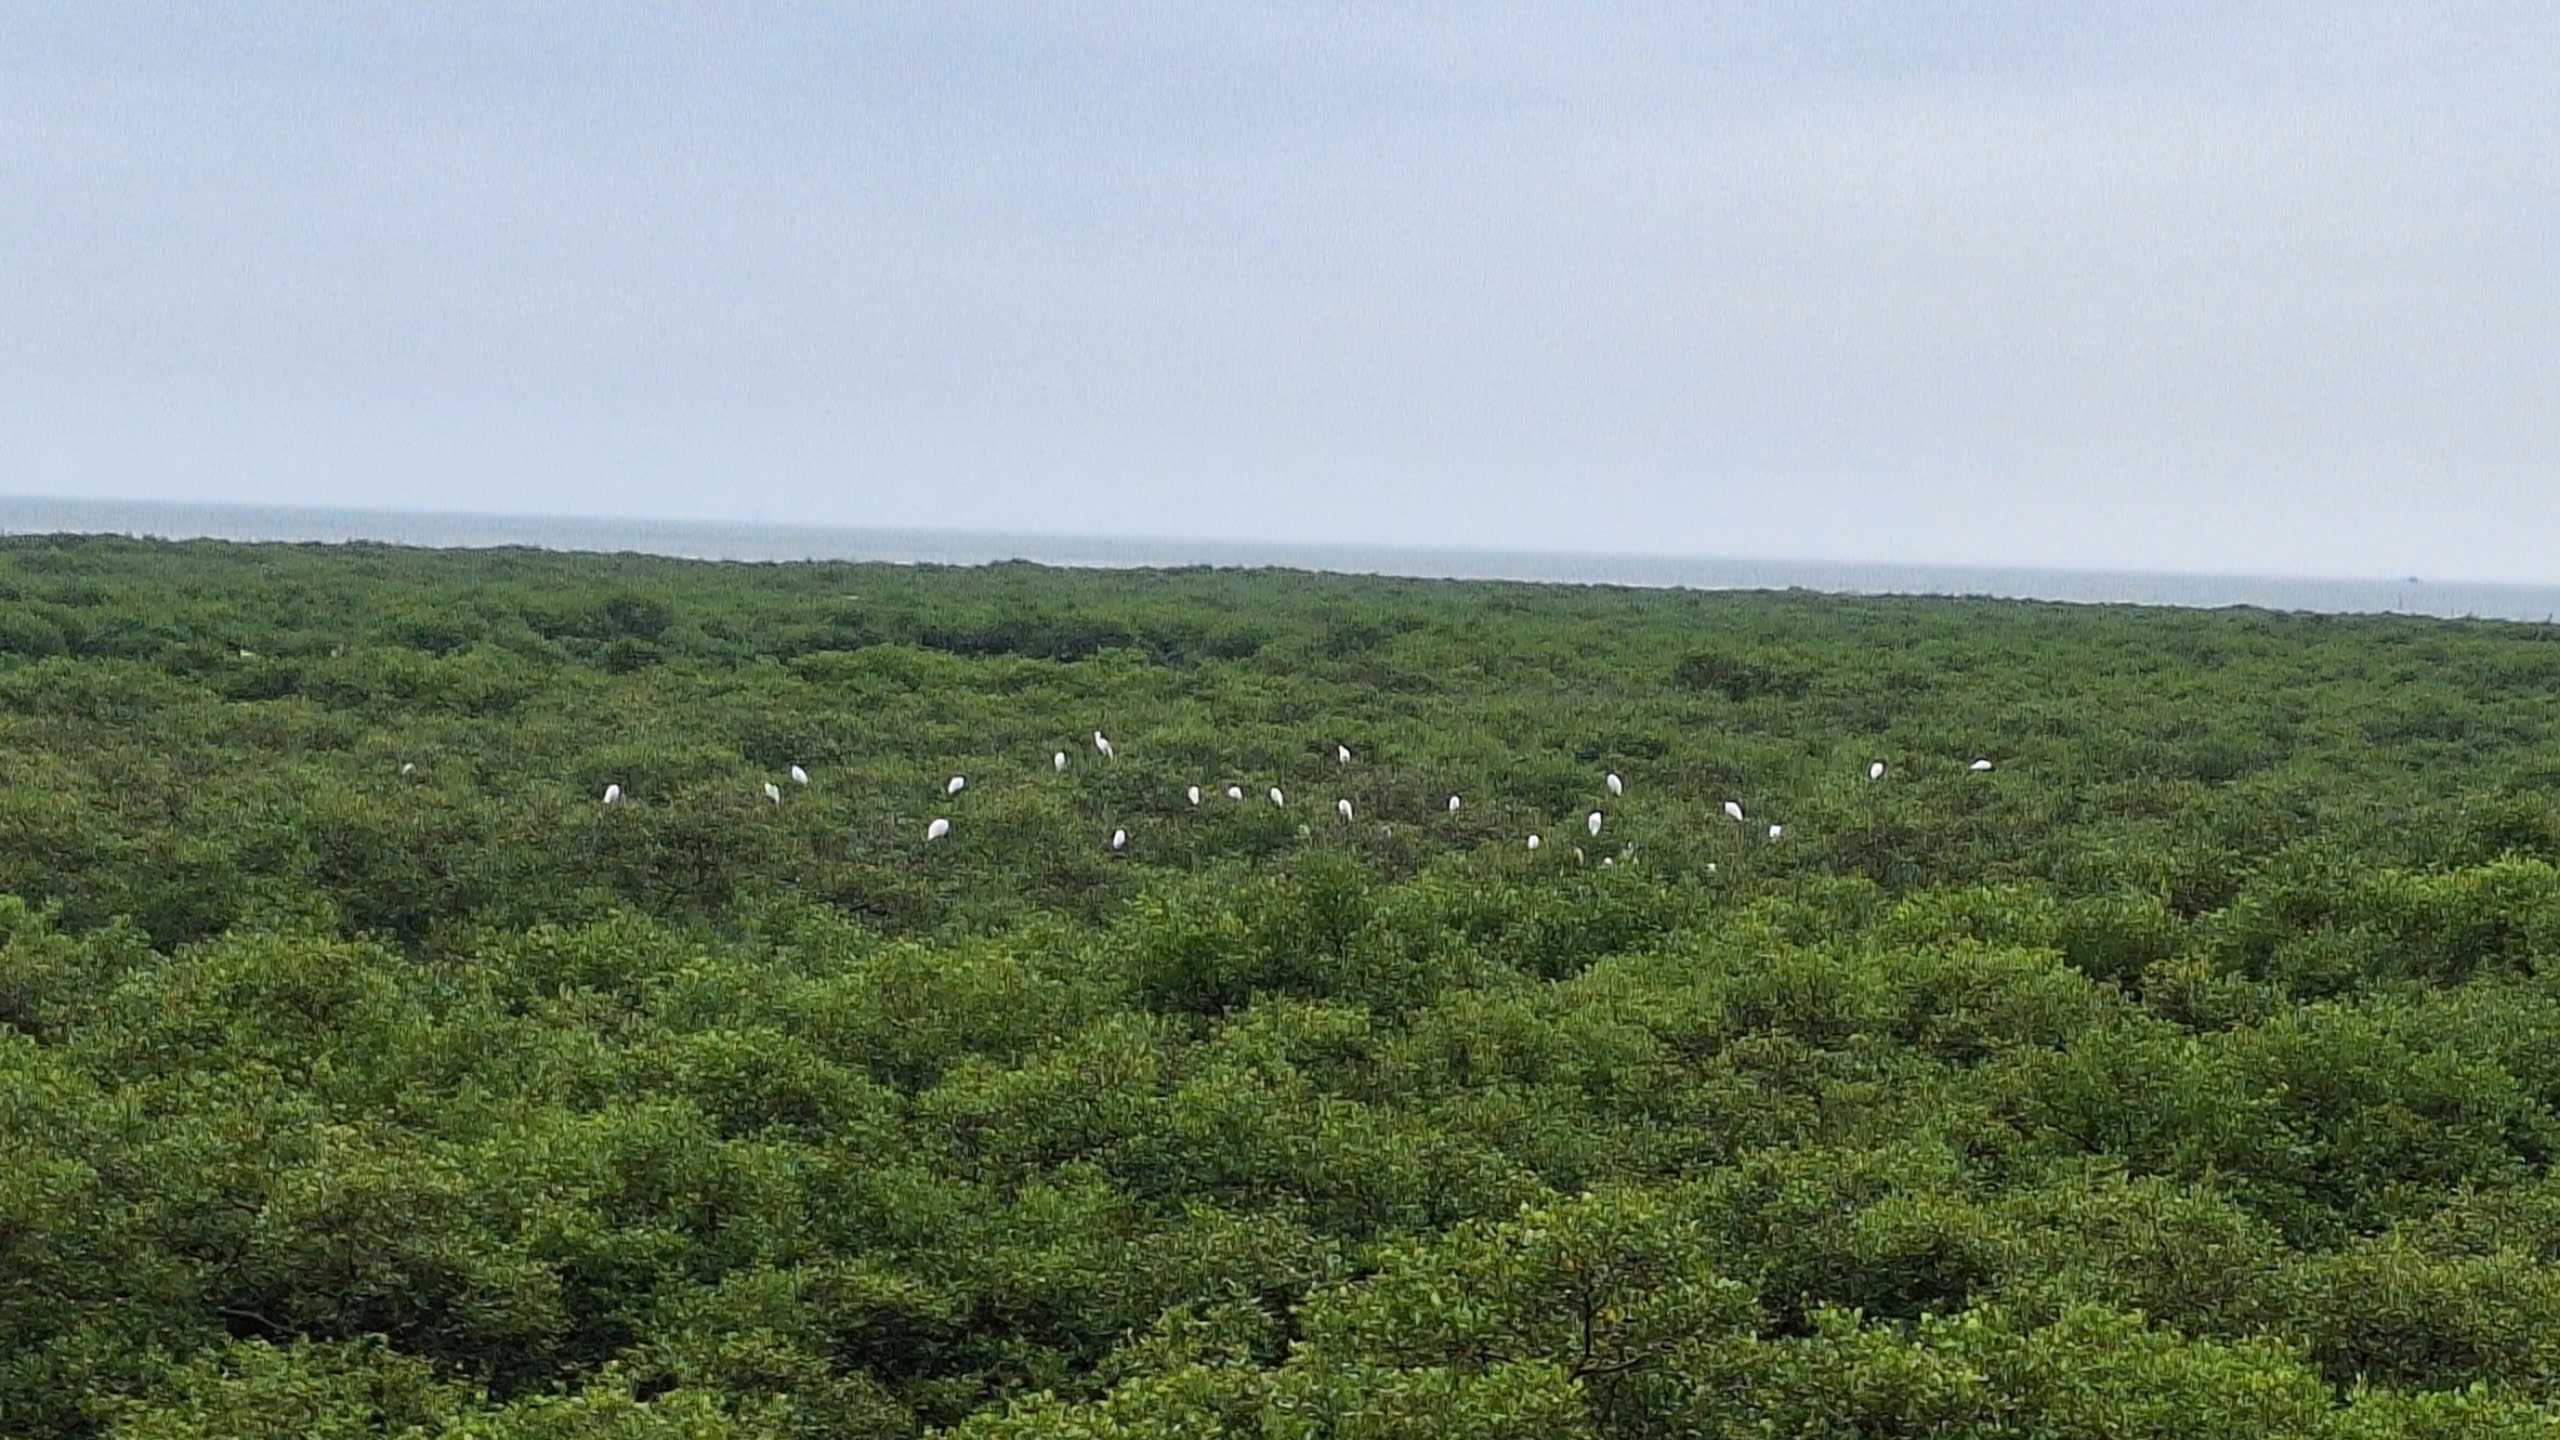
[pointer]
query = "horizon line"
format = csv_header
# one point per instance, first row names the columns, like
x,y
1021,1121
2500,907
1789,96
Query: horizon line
x,y
992,538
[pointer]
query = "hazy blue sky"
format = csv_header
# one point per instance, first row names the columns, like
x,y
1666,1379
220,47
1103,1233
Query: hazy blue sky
x,y
2261,286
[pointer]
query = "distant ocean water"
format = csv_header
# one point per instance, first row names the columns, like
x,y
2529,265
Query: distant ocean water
x,y
710,540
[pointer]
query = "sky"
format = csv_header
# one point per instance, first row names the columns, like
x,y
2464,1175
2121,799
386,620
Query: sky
x,y
2257,287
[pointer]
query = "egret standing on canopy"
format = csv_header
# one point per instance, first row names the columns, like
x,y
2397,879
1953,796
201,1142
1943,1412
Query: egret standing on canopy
x,y
937,829
1876,771
1592,824
955,785
1058,762
1276,798
1102,743
1344,806
1979,766
1194,794
1235,792
1342,753
799,776
612,793
773,792
1119,839
1733,808
1453,804
1616,785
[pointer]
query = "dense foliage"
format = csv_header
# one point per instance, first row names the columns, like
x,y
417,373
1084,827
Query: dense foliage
x,y
2194,1071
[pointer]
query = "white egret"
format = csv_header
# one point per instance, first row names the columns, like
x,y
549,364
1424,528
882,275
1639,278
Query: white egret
x,y
408,767
1608,861
1194,794
1616,785
1344,806
1533,842
612,793
1875,771
773,792
1592,822
939,828
1276,798
1102,743
1777,830
1235,792
1059,761
1979,766
1733,808
1453,804
1342,753
1119,839
955,785
799,776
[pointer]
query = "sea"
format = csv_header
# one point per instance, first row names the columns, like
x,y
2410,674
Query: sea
x,y
723,540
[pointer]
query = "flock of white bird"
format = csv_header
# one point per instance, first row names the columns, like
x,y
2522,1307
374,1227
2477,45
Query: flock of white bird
x,y
941,825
